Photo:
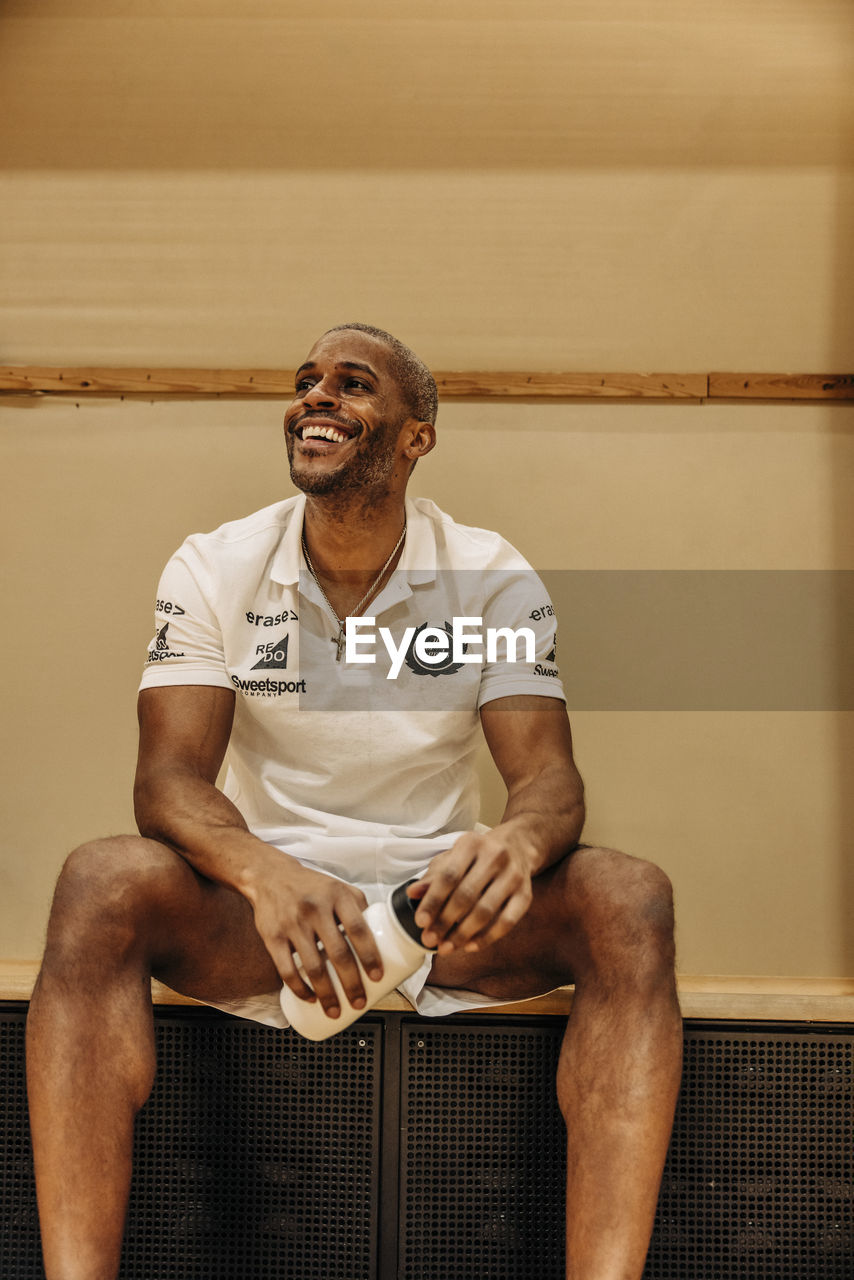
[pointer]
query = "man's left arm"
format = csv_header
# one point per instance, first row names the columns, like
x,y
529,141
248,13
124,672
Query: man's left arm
x,y
476,891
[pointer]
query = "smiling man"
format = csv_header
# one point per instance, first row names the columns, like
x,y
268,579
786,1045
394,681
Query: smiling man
x,y
322,811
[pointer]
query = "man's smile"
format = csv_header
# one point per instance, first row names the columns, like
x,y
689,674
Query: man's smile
x,y
323,429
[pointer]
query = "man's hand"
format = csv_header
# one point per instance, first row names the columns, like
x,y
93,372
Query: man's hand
x,y
299,910
475,892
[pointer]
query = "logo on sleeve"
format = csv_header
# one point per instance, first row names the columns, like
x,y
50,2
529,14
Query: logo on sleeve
x,y
551,658
274,655
161,650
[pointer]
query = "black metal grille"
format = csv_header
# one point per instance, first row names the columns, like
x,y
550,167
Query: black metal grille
x,y
759,1183
259,1154
256,1156
483,1153
19,1225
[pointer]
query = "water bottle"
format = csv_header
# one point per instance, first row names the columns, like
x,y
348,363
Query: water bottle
x,y
399,942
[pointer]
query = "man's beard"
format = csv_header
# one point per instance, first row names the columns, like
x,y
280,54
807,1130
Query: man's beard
x,y
364,470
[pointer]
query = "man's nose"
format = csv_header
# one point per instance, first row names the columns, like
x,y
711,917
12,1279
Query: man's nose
x,y
321,395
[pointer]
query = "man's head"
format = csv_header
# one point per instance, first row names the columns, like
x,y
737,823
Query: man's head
x,y
363,414
415,381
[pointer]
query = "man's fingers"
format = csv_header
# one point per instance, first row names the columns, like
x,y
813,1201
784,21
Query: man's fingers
x,y
313,975
290,975
466,900
362,941
440,883
509,915
334,952
496,911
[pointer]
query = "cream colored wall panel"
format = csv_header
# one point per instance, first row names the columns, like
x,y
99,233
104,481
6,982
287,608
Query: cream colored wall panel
x,y
207,85
641,270
745,812
653,486
97,499
750,813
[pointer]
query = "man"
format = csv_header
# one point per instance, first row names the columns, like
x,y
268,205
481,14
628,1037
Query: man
x,y
323,809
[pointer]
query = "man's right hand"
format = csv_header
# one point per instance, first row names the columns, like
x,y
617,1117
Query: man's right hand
x,y
300,910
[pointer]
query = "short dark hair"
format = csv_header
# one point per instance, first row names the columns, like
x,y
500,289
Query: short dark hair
x,y
416,382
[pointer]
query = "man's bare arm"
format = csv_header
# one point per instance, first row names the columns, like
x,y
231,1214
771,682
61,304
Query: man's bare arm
x,y
184,731
475,892
530,741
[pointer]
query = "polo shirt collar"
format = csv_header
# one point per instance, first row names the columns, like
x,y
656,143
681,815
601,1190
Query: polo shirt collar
x,y
418,560
288,560
417,563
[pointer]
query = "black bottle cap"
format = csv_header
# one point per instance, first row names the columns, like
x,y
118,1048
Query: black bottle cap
x,y
404,908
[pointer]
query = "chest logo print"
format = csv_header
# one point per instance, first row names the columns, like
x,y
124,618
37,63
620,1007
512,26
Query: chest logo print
x,y
443,665
274,655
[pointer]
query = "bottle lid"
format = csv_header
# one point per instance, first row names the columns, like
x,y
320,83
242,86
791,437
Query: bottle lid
x,y
404,909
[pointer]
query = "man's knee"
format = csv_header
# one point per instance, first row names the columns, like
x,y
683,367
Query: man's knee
x,y
107,890
622,909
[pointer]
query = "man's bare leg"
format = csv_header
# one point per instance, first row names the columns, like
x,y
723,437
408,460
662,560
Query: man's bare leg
x,y
123,908
605,920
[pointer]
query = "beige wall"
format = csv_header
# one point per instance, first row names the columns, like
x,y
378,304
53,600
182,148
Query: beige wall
x,y
624,186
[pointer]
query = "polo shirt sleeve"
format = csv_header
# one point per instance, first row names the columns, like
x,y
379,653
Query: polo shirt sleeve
x,y
521,616
187,647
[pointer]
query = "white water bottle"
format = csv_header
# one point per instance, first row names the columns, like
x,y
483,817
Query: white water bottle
x,y
398,939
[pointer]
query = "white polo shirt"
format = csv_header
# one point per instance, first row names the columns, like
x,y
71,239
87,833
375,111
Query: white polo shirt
x,y
358,769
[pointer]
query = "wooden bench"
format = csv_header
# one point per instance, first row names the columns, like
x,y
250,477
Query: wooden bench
x,y
745,999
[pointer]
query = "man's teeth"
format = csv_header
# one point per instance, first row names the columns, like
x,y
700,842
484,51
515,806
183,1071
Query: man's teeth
x,y
323,433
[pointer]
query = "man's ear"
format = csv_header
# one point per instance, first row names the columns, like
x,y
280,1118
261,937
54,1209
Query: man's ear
x,y
422,440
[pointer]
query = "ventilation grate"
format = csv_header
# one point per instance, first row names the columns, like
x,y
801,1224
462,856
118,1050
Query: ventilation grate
x,y
483,1153
256,1155
759,1182
20,1250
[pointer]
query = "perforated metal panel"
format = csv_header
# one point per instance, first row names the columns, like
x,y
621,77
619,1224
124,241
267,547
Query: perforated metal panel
x,y
759,1182
256,1156
259,1155
483,1152
19,1226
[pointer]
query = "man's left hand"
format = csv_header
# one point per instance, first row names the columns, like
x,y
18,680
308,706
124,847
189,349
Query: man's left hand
x,y
475,892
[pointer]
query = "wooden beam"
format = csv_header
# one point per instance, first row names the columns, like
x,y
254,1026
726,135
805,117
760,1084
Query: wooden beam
x,y
36,379
781,386
625,386
199,382
49,380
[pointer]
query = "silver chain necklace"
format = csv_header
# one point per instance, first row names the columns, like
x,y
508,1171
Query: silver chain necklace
x,y
340,639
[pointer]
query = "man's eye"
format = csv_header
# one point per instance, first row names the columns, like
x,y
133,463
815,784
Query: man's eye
x,y
358,384
304,384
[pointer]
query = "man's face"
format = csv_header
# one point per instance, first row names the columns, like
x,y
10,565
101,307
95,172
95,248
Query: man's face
x,y
344,429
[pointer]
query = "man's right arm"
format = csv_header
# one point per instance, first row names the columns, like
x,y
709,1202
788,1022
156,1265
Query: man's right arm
x,y
184,731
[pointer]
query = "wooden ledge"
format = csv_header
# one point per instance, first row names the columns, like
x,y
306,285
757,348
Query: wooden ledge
x,y
38,380
743,999
35,380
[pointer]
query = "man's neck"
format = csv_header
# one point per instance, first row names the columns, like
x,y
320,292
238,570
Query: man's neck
x,y
351,544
